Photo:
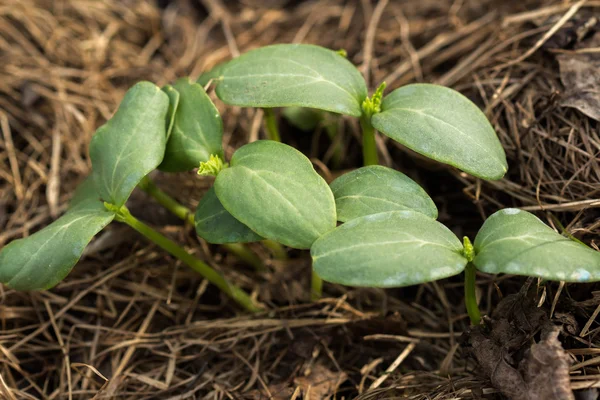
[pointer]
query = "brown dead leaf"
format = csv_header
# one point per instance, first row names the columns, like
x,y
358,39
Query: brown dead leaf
x,y
321,383
580,74
517,369
546,369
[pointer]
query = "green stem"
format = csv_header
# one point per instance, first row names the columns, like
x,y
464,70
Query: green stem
x,y
370,156
167,201
244,253
237,294
271,123
332,132
238,249
316,286
276,248
470,295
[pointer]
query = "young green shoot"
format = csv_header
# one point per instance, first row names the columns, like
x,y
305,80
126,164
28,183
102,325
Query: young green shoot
x,y
470,286
390,238
370,106
212,167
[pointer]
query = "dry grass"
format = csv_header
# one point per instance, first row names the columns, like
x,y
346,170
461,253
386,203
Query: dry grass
x,y
129,322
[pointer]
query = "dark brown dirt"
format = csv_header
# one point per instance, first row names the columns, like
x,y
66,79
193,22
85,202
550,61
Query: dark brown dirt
x,y
131,323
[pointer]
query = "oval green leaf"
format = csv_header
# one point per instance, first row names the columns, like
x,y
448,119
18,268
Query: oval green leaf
x,y
197,129
131,144
392,249
216,225
444,125
85,191
513,241
375,189
285,75
273,189
45,258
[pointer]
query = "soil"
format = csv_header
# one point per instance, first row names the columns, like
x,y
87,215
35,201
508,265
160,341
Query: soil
x,y
132,323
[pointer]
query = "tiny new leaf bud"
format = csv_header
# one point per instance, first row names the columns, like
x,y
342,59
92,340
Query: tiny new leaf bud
x,y
372,105
468,251
342,53
213,166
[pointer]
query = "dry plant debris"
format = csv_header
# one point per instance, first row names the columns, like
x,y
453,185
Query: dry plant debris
x,y
542,372
579,73
125,325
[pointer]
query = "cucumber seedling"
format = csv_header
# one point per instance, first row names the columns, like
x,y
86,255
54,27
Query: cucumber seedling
x,y
432,120
390,238
145,133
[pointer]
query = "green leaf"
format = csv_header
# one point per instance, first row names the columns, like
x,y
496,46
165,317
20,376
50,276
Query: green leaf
x,y
45,258
197,129
84,192
274,190
305,119
173,104
285,75
513,241
131,144
216,225
442,124
392,249
375,189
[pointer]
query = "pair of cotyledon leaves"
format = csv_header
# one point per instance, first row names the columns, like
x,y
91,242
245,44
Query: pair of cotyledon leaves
x,y
173,129
432,120
405,247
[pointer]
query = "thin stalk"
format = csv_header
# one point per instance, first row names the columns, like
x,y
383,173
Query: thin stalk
x,y
276,248
370,156
316,286
332,132
237,294
271,124
238,249
242,252
177,209
470,295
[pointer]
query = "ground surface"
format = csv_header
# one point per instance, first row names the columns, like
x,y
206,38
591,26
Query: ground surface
x,y
131,323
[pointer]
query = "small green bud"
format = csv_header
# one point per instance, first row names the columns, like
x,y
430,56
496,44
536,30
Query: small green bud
x,y
213,166
469,251
372,105
342,53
